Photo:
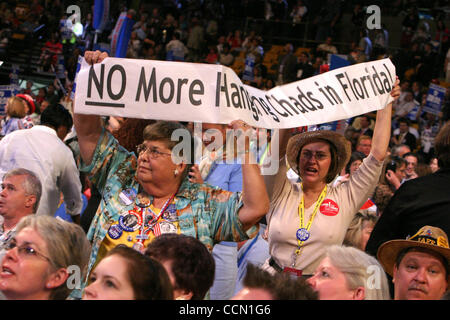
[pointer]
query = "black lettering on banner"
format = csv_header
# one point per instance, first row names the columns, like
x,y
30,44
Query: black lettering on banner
x,y
244,95
121,70
281,114
99,86
344,86
297,105
98,83
333,94
235,96
310,96
356,85
221,88
251,105
266,107
285,102
180,84
351,87
364,78
193,90
303,99
386,84
281,103
371,82
255,100
300,107
330,92
375,77
151,86
171,90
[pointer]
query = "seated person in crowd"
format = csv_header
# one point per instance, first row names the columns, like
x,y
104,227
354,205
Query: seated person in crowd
x,y
36,265
125,274
347,273
391,178
326,47
399,150
261,285
404,136
403,107
419,265
364,144
188,262
358,233
411,163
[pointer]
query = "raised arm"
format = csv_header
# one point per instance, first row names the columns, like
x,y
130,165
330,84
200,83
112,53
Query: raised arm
x,y
382,130
255,198
88,127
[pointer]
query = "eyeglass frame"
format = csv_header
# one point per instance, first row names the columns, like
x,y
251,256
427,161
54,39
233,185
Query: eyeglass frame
x,y
24,250
308,155
153,152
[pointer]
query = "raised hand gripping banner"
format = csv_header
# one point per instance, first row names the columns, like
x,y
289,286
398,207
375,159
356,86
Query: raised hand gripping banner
x,y
183,91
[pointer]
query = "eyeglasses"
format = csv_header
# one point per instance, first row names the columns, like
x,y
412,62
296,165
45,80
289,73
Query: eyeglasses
x,y
153,152
317,155
25,250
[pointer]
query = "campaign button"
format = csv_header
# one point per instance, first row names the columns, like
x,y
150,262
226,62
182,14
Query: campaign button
x,y
329,208
115,232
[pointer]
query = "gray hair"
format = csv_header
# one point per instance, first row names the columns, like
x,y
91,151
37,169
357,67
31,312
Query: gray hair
x,y
357,266
66,242
32,185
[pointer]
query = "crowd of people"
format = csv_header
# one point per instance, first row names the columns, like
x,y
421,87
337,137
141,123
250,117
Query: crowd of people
x,y
355,216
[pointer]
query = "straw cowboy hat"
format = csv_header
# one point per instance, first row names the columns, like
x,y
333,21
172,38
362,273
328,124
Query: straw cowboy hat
x,y
297,142
432,238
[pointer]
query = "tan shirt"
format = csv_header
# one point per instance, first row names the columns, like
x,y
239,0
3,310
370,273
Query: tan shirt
x,y
283,219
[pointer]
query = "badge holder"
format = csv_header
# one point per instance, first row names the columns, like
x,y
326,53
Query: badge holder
x,y
293,271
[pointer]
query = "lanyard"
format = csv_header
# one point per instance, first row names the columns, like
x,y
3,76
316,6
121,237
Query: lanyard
x,y
142,236
303,232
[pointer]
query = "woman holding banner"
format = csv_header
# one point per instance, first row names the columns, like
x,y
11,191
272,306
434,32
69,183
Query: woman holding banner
x,y
304,218
148,195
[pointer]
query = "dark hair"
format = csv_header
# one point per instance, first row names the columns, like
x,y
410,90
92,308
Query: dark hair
x,y
411,154
442,146
356,155
147,276
192,264
281,286
389,164
130,133
404,120
422,169
56,116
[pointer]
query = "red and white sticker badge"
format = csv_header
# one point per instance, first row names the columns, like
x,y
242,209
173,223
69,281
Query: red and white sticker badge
x,y
329,208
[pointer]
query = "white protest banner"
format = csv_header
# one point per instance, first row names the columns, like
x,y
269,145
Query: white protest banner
x,y
182,91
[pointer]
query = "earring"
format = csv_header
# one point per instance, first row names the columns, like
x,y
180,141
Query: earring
x,y
175,172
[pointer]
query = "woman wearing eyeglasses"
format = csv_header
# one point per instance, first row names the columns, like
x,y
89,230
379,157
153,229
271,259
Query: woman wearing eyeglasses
x,y
37,260
149,195
306,217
